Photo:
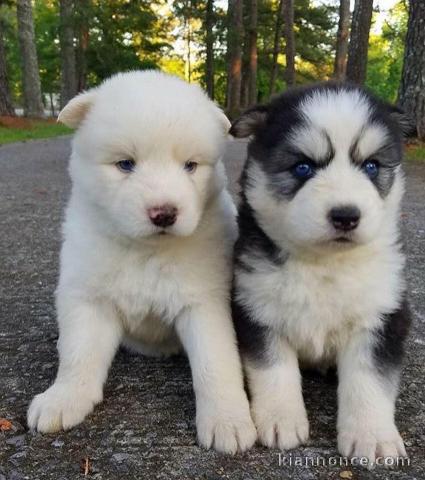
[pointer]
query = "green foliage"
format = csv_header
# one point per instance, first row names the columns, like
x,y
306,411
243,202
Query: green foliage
x,y
124,35
315,32
385,58
8,15
46,20
137,34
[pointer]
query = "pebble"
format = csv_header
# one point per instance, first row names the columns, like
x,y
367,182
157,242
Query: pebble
x,y
17,457
120,457
57,443
15,475
16,441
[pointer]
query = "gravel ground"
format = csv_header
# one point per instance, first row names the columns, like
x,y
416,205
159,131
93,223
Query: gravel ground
x,y
145,426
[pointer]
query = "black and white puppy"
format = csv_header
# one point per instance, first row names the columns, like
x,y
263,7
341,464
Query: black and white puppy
x,y
318,264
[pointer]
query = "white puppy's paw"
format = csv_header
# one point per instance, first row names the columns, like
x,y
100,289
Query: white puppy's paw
x,y
372,443
281,426
60,407
226,428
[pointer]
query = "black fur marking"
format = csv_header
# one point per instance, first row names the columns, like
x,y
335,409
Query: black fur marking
x,y
389,349
253,241
249,122
273,124
252,337
253,238
389,158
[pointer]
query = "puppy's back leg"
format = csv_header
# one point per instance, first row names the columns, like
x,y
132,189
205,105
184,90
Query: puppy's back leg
x,y
89,335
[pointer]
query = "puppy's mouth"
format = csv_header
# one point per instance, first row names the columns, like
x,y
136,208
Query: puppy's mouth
x,y
343,240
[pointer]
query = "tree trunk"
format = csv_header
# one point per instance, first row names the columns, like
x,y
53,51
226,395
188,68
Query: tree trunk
x,y
189,50
52,105
244,79
342,40
359,41
82,15
245,57
209,41
68,62
411,96
234,52
252,53
276,48
6,106
288,31
33,105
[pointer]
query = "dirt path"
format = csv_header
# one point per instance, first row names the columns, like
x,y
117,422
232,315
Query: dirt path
x,y
145,427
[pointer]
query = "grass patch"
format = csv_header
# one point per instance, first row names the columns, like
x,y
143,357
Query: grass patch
x,y
19,129
415,151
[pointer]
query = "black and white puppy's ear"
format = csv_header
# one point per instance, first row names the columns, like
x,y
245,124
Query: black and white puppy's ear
x,y
404,121
250,122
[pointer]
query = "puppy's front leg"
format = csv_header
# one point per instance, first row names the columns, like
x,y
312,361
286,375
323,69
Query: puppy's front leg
x,y
222,411
366,400
277,403
89,335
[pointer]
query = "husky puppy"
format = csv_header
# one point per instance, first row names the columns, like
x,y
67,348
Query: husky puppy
x,y
146,258
318,266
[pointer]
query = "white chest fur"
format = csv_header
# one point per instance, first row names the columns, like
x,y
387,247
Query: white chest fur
x,y
318,303
143,285
158,277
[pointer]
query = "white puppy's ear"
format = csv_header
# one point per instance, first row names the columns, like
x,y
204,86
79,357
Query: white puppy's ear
x,y
76,109
250,122
224,121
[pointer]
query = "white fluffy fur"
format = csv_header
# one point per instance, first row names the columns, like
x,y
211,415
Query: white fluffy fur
x,y
120,280
326,298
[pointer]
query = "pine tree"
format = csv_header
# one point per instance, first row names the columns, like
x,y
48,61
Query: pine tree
x,y
68,59
342,40
33,105
412,86
234,53
6,106
359,41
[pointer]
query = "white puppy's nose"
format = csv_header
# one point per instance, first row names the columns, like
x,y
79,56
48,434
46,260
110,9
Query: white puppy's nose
x,y
163,215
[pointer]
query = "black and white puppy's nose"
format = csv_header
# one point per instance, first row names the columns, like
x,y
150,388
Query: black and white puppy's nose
x,y
345,218
163,216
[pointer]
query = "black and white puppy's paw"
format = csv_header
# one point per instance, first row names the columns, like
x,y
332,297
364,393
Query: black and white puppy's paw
x,y
280,425
371,442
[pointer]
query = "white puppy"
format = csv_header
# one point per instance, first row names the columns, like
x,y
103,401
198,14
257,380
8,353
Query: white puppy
x,y
146,258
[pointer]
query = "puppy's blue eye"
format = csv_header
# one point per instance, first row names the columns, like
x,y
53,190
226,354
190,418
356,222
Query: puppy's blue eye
x,y
371,168
126,166
190,166
303,170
